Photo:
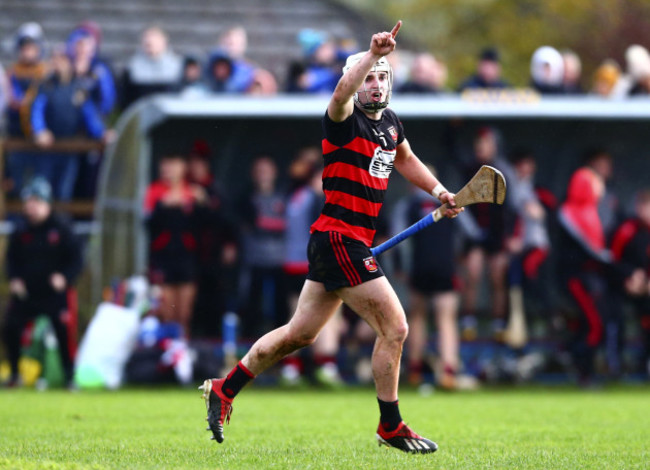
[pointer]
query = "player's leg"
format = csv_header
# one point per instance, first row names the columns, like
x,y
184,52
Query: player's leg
x,y
474,265
315,307
325,349
445,305
417,338
55,308
376,302
14,324
498,269
185,294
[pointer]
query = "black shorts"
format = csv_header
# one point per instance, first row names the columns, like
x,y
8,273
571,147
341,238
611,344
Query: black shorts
x,y
430,282
338,261
180,270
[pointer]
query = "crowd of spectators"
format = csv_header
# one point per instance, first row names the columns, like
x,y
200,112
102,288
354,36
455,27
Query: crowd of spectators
x,y
76,83
245,253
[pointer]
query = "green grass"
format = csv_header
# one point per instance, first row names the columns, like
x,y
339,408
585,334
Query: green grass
x,y
505,429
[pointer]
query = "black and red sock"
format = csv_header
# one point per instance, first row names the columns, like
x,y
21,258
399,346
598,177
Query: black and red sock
x,y
236,380
389,414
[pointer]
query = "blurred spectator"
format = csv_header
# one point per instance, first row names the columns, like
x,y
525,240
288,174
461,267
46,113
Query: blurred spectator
x,y
631,252
530,243
95,77
433,282
572,73
264,83
217,246
24,76
233,43
606,77
303,166
320,69
264,223
4,98
638,70
63,109
400,71
222,77
488,72
92,72
175,213
155,68
43,262
192,77
609,207
427,75
582,268
547,71
488,243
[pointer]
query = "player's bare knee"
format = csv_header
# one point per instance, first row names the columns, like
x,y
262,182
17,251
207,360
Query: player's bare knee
x,y
397,333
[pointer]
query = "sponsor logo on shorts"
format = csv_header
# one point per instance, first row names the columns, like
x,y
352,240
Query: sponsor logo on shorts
x,y
370,264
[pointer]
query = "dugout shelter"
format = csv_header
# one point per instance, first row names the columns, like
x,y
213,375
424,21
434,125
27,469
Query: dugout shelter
x,y
237,128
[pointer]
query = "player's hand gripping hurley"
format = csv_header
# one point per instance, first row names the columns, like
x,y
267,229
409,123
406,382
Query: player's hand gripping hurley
x,y
487,185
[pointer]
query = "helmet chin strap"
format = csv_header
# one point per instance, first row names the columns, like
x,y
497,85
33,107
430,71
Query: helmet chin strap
x,y
369,105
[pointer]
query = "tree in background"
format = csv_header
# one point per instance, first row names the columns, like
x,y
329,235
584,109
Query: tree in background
x,y
457,30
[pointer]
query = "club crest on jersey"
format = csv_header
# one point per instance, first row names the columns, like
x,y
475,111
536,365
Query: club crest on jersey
x,y
393,133
382,163
370,263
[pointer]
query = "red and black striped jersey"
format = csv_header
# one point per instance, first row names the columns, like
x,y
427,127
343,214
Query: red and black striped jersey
x,y
359,154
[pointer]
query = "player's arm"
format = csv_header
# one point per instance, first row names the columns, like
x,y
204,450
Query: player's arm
x,y
341,104
412,168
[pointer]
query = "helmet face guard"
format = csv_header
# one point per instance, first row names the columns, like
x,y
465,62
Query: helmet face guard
x,y
381,66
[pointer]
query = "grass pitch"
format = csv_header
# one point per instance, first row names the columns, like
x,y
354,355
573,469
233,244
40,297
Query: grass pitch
x,y
164,428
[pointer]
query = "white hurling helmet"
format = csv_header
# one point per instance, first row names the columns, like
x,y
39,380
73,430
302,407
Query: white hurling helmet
x,y
381,65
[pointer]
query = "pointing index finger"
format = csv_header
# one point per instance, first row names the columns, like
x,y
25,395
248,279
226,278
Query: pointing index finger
x,y
396,28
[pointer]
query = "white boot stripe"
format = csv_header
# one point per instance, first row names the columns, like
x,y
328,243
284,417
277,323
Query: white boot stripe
x,y
408,443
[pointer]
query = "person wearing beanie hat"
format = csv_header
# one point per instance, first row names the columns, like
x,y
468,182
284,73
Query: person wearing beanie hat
x,y
43,262
488,72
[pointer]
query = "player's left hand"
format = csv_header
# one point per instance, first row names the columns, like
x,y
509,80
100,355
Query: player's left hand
x,y
449,199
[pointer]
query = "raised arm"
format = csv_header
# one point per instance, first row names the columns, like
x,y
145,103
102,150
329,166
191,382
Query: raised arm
x,y
341,104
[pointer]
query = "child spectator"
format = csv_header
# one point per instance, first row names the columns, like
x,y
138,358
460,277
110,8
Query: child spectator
x,y
43,262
